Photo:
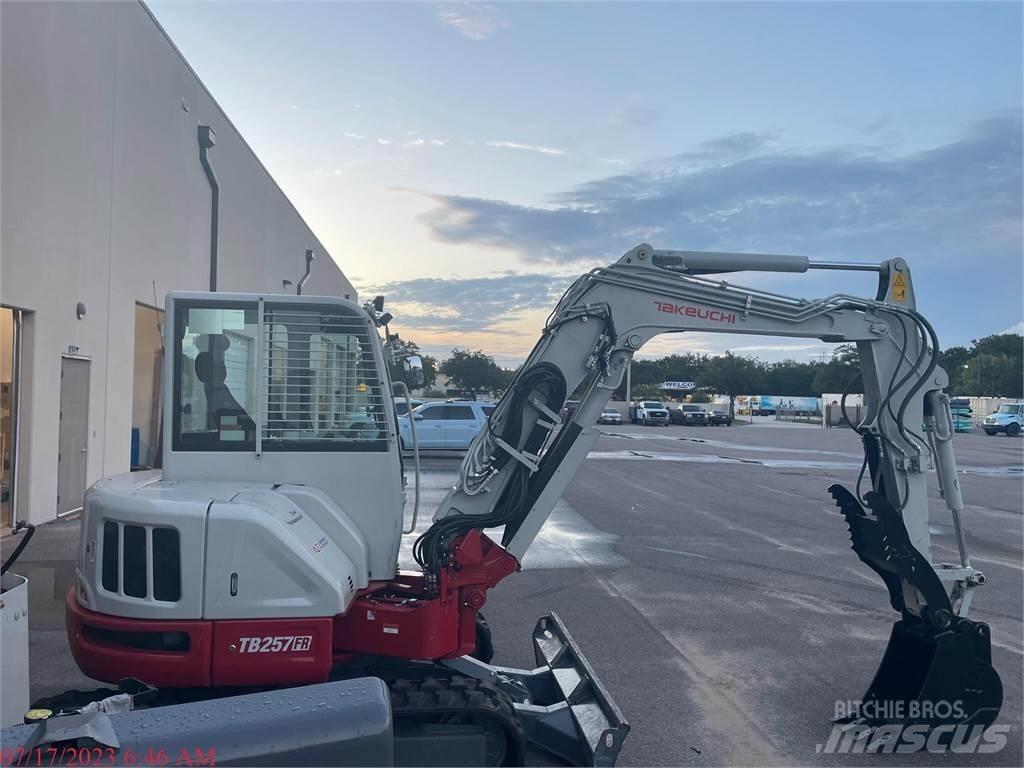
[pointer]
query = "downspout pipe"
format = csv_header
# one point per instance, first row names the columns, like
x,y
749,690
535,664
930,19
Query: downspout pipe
x,y
15,459
309,269
207,140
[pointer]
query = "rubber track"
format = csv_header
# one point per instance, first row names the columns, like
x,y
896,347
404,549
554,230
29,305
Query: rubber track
x,y
429,698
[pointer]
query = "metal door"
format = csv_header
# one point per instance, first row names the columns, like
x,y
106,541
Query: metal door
x,y
73,442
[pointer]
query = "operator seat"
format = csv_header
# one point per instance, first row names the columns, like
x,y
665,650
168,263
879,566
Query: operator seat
x,y
222,409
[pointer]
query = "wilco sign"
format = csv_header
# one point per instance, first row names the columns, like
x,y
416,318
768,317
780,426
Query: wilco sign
x,y
677,385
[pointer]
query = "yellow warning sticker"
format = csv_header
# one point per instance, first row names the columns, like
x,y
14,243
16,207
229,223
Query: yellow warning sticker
x,y
899,288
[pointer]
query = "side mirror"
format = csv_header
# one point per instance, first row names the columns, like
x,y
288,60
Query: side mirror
x,y
413,368
418,417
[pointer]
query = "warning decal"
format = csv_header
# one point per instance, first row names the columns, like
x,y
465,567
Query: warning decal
x,y
899,288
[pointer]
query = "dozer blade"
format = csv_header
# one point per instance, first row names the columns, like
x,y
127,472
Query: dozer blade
x,y
561,704
585,725
937,669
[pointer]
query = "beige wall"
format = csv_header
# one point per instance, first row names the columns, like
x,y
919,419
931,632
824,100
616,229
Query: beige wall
x,y
145,381
6,341
104,202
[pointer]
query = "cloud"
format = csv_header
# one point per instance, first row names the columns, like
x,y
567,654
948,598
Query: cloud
x,y
961,199
526,147
473,20
1017,328
384,142
421,142
352,135
469,304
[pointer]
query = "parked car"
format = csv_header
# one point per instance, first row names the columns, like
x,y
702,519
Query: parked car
x,y
610,416
649,412
400,407
444,426
719,418
1008,419
690,415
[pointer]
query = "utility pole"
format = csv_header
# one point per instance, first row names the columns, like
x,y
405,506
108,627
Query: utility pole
x,y
629,380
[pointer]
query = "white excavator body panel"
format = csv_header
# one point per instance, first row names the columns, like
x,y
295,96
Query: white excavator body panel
x,y
265,558
159,549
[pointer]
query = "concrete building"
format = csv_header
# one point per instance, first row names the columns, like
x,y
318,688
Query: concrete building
x,y
106,207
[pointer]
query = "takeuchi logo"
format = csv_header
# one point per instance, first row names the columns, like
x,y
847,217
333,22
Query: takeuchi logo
x,y
701,313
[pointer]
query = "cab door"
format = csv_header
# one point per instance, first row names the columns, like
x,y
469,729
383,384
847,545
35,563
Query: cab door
x,y
461,426
430,426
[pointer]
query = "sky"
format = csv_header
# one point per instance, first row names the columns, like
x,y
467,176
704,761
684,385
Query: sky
x,y
469,160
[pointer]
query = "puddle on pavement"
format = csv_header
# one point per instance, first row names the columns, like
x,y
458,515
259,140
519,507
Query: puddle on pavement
x,y
567,540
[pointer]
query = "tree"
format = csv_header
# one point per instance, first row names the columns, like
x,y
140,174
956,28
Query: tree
x,y
996,367
791,378
954,360
647,392
474,371
731,375
993,366
839,372
700,396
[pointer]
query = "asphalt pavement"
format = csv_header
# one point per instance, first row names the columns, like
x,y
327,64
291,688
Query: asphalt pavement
x,y
713,588
708,577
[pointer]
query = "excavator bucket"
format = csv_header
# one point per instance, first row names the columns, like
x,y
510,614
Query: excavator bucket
x,y
934,677
937,669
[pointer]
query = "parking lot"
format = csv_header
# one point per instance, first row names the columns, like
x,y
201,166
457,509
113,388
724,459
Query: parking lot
x,y
708,577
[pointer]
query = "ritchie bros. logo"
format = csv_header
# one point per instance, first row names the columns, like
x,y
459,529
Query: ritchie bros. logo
x,y
714,315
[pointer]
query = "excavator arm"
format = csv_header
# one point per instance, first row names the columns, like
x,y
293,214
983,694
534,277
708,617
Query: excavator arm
x,y
520,464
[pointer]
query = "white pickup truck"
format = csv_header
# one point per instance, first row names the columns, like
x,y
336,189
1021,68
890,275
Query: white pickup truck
x,y
649,412
1009,419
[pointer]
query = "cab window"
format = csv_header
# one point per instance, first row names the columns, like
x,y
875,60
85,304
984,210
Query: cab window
x,y
215,370
323,392
309,383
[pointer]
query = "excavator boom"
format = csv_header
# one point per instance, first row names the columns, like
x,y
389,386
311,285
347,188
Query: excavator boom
x,y
519,465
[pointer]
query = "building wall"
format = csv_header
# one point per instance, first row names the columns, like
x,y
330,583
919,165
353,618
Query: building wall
x,y
104,202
